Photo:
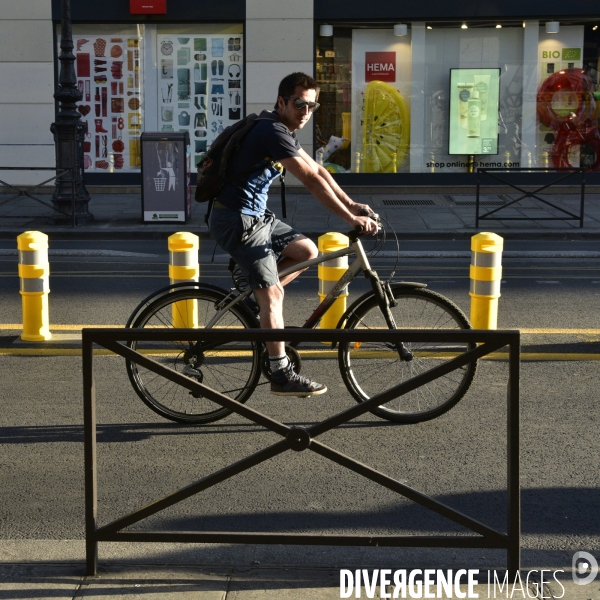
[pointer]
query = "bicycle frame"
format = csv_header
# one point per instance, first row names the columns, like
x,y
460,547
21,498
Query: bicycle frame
x,y
360,264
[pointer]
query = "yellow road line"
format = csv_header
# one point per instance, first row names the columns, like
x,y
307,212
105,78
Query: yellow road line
x,y
316,354
525,330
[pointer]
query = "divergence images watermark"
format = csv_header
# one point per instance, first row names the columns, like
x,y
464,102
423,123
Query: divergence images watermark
x,y
438,583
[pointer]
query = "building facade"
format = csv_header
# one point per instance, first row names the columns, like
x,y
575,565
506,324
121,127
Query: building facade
x,y
411,94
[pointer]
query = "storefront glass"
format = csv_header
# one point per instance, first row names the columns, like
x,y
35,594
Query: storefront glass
x,y
165,78
448,97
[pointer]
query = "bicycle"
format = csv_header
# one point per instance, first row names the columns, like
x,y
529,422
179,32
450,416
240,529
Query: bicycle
x,y
366,368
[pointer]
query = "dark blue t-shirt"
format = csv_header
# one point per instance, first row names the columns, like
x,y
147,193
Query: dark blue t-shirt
x,y
247,188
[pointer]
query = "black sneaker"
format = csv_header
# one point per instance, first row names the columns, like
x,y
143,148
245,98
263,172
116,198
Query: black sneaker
x,y
286,382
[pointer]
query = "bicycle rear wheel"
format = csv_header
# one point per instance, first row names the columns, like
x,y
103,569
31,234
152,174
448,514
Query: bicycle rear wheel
x,y
230,368
371,368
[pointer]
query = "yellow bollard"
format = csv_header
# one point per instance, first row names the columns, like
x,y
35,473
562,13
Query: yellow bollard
x,y
183,266
486,273
34,271
330,272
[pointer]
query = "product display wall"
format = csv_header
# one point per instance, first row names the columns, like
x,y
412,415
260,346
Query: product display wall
x,y
108,69
154,78
199,85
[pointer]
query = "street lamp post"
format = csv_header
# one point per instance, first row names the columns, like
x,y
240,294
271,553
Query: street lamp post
x,y
69,133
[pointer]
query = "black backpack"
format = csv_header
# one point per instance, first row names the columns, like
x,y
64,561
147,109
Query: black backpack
x,y
212,167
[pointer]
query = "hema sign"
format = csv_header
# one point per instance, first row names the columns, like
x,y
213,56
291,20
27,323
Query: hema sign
x,y
152,7
380,66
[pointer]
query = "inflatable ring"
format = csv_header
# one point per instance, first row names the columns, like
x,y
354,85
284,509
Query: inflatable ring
x,y
567,138
386,129
574,81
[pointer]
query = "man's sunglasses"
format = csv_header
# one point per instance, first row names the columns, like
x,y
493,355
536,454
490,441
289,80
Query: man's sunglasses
x,y
300,104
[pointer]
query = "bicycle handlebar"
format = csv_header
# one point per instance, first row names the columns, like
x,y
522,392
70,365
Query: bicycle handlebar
x,y
358,230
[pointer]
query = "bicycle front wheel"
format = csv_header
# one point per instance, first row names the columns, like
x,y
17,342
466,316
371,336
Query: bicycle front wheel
x,y
371,368
230,368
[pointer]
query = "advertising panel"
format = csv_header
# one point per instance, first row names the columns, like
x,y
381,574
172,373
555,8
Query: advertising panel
x,y
473,119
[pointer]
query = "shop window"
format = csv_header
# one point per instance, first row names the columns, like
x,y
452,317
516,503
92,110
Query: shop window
x,y
400,104
137,78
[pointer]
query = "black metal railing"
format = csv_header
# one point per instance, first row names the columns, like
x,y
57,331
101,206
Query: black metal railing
x,y
564,173
303,438
28,191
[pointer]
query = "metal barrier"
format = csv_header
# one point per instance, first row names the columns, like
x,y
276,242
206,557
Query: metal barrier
x,y
569,173
29,190
303,438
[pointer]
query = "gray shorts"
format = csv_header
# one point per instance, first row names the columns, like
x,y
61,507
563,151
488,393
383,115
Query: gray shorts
x,y
255,243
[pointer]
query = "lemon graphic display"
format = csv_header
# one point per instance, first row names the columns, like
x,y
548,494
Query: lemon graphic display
x,y
386,129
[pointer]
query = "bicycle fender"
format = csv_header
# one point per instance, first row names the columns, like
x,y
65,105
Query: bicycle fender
x,y
167,290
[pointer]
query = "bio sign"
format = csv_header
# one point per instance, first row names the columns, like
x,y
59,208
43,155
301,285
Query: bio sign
x,y
380,66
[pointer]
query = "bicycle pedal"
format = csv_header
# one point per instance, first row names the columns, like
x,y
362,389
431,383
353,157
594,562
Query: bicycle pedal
x,y
191,372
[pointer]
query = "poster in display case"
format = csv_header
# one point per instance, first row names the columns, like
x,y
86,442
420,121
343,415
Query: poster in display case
x,y
474,102
109,71
166,191
200,85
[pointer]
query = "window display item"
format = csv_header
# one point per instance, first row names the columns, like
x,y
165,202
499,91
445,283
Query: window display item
x,y
235,71
81,42
119,161
474,115
116,51
200,45
166,69
83,64
217,48
464,93
386,129
183,84
84,109
184,119
167,113
183,56
99,47
166,47
199,57
133,104
200,89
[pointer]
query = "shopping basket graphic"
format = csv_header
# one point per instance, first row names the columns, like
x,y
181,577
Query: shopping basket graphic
x,y
159,183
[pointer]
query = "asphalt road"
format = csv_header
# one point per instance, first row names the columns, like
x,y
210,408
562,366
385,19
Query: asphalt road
x,y
459,458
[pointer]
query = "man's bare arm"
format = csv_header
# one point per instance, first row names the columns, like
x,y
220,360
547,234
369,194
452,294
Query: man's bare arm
x,y
310,174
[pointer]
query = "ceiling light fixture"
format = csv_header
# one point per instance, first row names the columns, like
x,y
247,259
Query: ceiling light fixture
x,y
430,27
400,29
552,27
326,30
464,26
594,27
498,26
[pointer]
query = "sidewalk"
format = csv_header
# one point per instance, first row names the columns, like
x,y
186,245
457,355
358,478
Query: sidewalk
x,y
412,215
120,580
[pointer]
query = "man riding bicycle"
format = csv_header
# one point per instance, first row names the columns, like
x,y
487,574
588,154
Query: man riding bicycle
x,y
261,245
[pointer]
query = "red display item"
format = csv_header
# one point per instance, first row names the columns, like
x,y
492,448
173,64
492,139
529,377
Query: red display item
x,y
575,81
83,64
148,7
568,137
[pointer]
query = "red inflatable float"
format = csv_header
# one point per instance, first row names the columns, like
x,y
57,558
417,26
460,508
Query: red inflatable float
x,y
575,82
576,121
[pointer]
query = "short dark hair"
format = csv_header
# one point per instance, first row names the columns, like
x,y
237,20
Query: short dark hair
x,y
290,82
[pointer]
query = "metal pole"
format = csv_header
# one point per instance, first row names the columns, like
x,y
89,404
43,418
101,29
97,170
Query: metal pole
x,y
513,460
70,194
89,449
